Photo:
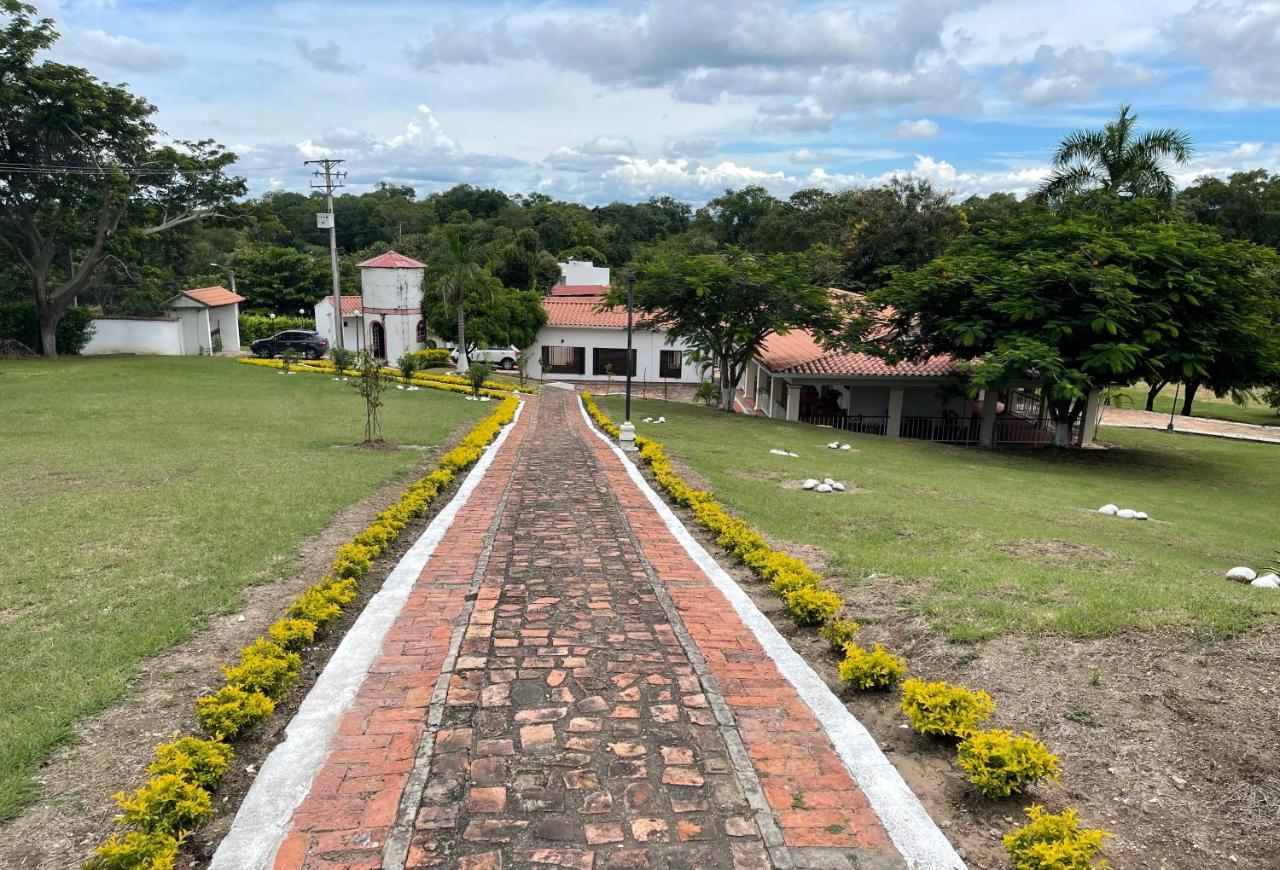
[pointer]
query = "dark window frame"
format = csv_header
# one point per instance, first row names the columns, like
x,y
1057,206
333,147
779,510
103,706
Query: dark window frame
x,y
665,370
577,367
618,355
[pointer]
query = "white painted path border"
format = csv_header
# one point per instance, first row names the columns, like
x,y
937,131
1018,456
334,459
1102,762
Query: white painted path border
x,y
286,776
920,842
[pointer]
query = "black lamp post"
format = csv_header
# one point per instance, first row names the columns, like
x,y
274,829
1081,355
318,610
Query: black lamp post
x,y
1174,409
627,431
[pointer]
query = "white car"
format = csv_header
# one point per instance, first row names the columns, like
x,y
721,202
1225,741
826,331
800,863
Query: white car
x,y
502,357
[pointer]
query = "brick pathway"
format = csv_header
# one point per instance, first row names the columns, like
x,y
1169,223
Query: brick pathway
x,y
566,688
1131,418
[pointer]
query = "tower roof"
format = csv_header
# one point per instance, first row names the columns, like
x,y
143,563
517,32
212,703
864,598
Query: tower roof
x,y
391,260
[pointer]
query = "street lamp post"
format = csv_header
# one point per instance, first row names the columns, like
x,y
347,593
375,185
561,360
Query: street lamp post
x,y
627,431
231,273
1174,409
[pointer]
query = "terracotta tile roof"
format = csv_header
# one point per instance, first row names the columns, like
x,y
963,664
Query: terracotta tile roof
x,y
391,260
580,289
583,311
351,305
797,353
213,296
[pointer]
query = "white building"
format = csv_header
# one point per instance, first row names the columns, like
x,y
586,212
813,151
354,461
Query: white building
x,y
352,321
584,342
204,321
583,273
386,317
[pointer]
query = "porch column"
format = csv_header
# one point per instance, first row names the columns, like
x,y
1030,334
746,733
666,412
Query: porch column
x,y
773,396
208,331
1089,429
989,405
793,402
894,427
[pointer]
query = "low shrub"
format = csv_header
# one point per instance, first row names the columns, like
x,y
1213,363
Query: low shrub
x,y
200,762
231,711
341,591
840,633
343,358
1054,842
812,606
432,358
477,375
166,804
408,364
1000,762
877,669
786,582
136,850
256,326
264,667
315,607
944,711
18,321
353,561
293,633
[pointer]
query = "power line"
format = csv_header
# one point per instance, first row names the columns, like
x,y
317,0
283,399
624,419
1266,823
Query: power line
x,y
332,181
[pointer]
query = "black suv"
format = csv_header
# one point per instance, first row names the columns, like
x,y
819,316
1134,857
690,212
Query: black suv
x,y
307,342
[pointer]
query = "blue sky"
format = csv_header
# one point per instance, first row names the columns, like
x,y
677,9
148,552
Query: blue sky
x,y
601,101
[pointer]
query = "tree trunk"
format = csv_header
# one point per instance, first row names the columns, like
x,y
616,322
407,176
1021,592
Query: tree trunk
x,y
1152,392
463,362
48,321
1188,398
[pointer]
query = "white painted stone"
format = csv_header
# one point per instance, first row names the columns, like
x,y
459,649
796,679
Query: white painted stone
x,y
662,419
823,487
834,445
1109,509
1267,581
838,486
828,481
1127,513
846,447
1140,516
1241,574
809,484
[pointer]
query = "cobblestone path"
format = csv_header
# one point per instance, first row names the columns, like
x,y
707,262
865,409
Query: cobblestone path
x,y
565,688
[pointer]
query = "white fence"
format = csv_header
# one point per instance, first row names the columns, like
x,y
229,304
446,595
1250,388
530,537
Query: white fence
x,y
146,335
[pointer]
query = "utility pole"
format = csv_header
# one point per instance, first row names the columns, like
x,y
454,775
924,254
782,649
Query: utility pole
x,y
332,181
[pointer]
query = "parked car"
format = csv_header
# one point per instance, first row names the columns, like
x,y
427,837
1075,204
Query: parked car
x,y
502,357
307,342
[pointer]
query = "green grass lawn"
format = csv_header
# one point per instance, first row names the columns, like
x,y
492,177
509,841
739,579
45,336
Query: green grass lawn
x,y
965,528
1205,405
139,495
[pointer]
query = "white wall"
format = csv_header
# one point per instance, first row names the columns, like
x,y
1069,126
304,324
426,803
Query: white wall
x,y
351,338
391,288
579,273
226,319
647,346
152,335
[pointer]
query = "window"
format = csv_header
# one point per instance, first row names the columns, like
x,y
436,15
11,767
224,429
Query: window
x,y
422,332
612,361
560,360
670,363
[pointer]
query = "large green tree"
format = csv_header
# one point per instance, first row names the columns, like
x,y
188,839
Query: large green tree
x,y
904,223
1079,301
525,264
727,304
281,279
1117,160
456,281
82,165
1246,206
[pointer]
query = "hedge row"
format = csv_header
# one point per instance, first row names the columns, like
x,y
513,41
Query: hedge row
x,y
447,383
999,762
256,326
178,797
18,322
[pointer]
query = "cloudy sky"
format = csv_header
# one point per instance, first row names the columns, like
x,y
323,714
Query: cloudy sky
x,y
624,100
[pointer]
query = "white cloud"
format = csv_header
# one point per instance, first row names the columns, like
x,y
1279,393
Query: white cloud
x,y
120,52
1070,75
922,128
1239,46
805,116
695,148
325,58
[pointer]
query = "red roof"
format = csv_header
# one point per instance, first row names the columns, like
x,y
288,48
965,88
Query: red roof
x,y
351,305
391,260
213,296
580,290
797,353
583,311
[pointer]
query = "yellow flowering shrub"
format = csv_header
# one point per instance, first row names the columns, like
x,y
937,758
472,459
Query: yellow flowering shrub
x,y
353,560
293,633
839,633
810,606
231,710
315,607
1000,763
941,710
1054,842
877,669
264,667
166,804
200,762
135,850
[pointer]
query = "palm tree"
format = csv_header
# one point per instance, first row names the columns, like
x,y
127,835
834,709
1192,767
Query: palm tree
x,y
459,275
1116,160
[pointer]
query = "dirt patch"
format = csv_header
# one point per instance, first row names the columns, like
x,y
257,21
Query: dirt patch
x,y
1168,739
110,750
1056,550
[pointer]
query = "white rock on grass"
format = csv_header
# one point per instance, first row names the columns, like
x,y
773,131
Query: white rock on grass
x,y
846,447
834,445
1109,509
648,419
1242,574
1267,581
662,419
809,484
828,481
838,486
1139,515
823,487
1127,514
